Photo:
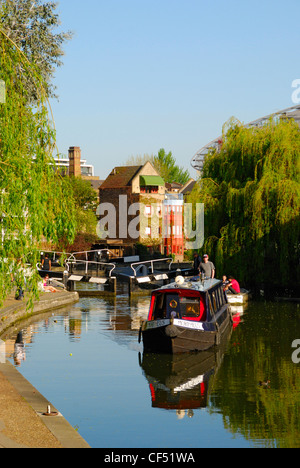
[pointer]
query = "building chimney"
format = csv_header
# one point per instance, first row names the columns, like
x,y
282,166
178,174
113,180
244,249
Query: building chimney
x,y
74,161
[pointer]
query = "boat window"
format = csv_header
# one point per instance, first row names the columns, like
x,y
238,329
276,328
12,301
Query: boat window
x,y
166,306
172,305
214,299
213,302
192,308
221,296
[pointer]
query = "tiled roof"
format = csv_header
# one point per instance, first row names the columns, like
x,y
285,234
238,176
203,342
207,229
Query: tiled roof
x,y
120,177
188,187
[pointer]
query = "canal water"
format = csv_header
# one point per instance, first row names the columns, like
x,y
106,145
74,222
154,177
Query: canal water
x,y
87,361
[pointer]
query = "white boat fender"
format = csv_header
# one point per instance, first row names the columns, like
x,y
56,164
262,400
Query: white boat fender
x,y
180,280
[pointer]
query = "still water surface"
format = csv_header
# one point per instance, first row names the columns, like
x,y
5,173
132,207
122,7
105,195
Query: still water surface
x,y
87,361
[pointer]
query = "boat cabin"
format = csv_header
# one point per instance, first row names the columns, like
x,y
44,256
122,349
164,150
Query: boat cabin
x,y
191,301
186,316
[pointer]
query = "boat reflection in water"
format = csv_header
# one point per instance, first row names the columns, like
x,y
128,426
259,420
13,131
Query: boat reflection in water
x,y
237,312
181,382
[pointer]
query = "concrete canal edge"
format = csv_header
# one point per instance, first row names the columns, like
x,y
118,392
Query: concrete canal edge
x,y
11,314
13,311
66,435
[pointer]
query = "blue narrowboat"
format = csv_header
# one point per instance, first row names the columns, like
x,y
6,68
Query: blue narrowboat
x,y
186,316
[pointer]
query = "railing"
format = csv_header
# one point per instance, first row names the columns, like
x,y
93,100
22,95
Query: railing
x,y
98,265
70,260
99,252
73,255
139,265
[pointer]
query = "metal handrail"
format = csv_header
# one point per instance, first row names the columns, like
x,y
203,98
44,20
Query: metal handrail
x,y
87,263
86,252
73,254
151,262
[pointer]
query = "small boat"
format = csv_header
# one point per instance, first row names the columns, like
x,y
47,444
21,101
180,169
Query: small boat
x,y
242,298
186,316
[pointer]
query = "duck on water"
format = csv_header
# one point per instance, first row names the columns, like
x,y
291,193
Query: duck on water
x,y
186,316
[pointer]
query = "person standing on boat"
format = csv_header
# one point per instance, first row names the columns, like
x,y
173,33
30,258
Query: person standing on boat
x,y
207,267
46,263
197,261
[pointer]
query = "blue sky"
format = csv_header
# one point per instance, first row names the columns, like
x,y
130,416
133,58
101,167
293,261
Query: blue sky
x,y
141,75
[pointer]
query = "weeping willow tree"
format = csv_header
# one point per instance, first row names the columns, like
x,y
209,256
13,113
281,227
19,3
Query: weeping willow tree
x,y
251,192
34,201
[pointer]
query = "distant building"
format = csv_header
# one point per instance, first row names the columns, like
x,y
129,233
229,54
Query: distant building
x,y
188,187
173,225
174,187
75,166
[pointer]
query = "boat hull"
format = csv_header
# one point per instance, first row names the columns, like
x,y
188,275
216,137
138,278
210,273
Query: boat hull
x,y
239,299
178,337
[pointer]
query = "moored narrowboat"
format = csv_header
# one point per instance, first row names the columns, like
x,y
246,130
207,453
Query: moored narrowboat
x,y
186,316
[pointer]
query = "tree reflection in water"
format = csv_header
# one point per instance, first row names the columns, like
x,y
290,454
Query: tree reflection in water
x,y
261,351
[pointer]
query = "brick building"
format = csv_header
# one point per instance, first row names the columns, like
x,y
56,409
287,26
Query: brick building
x,y
134,195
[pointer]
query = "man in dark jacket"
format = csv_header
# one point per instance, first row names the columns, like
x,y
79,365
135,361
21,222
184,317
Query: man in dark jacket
x,y
46,263
197,261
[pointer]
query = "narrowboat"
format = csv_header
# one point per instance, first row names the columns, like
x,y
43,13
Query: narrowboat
x,y
186,316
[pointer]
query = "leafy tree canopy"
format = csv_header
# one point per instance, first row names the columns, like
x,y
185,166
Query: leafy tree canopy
x,y
84,195
165,164
33,25
251,192
36,204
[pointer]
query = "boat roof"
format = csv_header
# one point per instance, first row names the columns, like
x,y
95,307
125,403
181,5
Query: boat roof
x,y
200,286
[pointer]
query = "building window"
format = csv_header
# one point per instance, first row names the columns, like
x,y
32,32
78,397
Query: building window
x,y
148,210
149,189
148,231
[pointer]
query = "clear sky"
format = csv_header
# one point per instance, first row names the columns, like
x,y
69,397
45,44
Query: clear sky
x,y
140,75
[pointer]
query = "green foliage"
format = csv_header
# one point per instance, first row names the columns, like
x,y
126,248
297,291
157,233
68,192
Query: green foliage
x,y
83,242
84,195
31,25
86,202
139,160
166,166
35,201
251,192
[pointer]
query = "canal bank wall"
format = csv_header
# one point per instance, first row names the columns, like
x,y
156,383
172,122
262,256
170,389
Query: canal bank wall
x,y
24,422
14,311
